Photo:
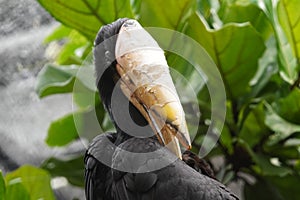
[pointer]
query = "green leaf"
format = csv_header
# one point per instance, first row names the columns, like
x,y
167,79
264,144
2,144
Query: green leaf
x,y
261,190
67,55
85,94
16,191
85,123
268,67
185,75
289,107
226,139
274,187
58,34
284,152
85,98
254,128
155,14
287,186
204,7
240,13
75,45
289,18
87,16
287,61
235,48
71,169
280,126
54,80
266,168
209,10
136,7
2,186
64,130
292,142
297,166
36,182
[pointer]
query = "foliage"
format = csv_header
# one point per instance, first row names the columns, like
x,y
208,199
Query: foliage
x,y
27,183
255,45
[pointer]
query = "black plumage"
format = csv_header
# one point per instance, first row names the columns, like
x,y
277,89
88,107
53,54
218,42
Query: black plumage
x,y
105,158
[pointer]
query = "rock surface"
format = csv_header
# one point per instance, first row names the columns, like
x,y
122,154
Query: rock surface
x,y
24,24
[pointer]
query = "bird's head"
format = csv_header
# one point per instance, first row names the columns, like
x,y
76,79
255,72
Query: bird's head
x,y
128,59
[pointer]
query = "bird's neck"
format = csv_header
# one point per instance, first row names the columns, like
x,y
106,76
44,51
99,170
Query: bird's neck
x,y
132,125
121,137
127,119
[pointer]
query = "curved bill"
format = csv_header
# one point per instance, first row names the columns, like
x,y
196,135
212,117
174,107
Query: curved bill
x,y
146,81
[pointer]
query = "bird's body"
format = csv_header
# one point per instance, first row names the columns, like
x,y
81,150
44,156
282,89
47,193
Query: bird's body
x,y
177,181
122,166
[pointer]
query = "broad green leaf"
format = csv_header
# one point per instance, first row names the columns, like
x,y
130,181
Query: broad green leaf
x,y
280,126
68,55
261,190
209,10
54,80
136,7
85,93
266,168
84,97
64,130
75,46
87,16
226,139
284,152
2,186
59,33
85,123
185,75
71,169
16,191
268,67
289,106
289,18
297,166
168,14
287,61
274,187
36,182
254,128
203,6
240,13
235,48
287,186
292,142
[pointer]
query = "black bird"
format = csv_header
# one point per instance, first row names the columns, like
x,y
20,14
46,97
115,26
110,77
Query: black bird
x,y
137,91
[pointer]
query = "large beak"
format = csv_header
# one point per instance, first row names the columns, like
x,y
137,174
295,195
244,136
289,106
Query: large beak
x,y
146,81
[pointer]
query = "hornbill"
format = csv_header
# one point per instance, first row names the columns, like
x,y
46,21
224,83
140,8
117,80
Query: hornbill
x,y
137,91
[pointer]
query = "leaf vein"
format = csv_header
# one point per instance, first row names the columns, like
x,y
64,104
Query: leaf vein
x,y
94,12
73,9
291,27
218,63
